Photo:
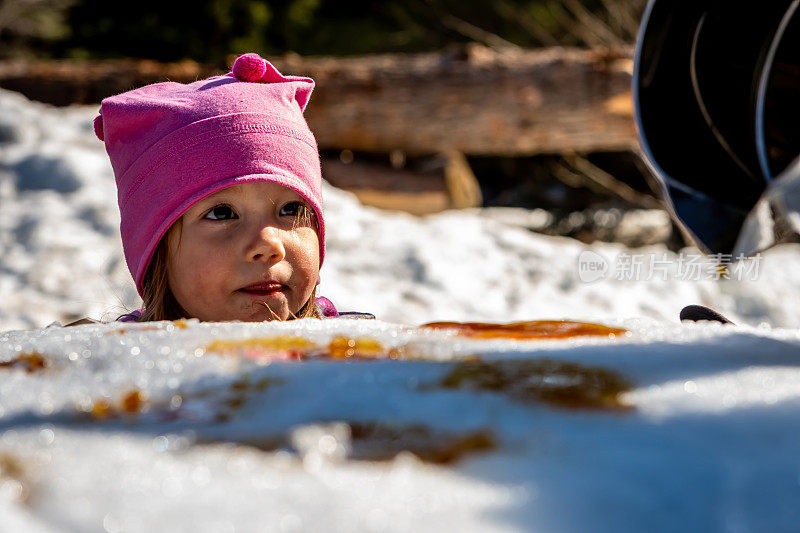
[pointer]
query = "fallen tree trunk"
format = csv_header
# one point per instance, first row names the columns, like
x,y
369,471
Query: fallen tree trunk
x,y
66,82
484,103
476,101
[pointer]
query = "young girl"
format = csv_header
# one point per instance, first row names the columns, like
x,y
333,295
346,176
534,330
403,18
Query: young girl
x,y
219,191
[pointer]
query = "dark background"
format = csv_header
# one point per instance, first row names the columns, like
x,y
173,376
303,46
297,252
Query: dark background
x,y
213,32
210,31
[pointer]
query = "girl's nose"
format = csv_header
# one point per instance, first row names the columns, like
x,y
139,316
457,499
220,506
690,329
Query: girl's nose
x,y
267,246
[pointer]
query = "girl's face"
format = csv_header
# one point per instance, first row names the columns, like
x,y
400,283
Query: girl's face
x,y
244,253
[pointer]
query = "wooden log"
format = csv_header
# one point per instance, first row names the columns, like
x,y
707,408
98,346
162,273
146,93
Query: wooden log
x,y
475,101
480,103
66,82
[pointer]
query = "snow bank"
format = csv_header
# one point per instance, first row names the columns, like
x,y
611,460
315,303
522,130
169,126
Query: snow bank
x,y
705,436
61,255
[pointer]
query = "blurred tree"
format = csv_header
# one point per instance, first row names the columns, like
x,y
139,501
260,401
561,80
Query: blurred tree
x,y
210,30
168,31
27,26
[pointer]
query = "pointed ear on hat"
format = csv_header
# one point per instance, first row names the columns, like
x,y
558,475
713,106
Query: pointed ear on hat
x,y
303,93
304,85
98,127
271,74
254,68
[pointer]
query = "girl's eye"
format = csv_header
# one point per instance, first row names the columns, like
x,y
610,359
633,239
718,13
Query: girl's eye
x,y
292,209
221,212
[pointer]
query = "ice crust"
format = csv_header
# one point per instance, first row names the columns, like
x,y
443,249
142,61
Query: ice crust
x,y
709,443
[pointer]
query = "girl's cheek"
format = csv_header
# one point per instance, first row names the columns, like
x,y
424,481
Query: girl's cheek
x,y
214,249
310,245
308,237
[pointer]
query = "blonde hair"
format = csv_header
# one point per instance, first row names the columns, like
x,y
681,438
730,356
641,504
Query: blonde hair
x,y
160,304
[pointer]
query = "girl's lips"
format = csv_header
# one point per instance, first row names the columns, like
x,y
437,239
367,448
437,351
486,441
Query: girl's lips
x,y
262,289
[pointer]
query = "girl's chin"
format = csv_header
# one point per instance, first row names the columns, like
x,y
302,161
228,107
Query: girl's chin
x,y
261,314
264,313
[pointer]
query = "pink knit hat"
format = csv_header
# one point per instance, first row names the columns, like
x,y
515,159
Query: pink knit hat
x,y
172,144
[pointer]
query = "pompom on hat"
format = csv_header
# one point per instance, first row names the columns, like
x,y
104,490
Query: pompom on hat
x,y
173,144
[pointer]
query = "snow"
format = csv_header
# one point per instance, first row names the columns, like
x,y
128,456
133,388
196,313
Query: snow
x,y
239,439
710,441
